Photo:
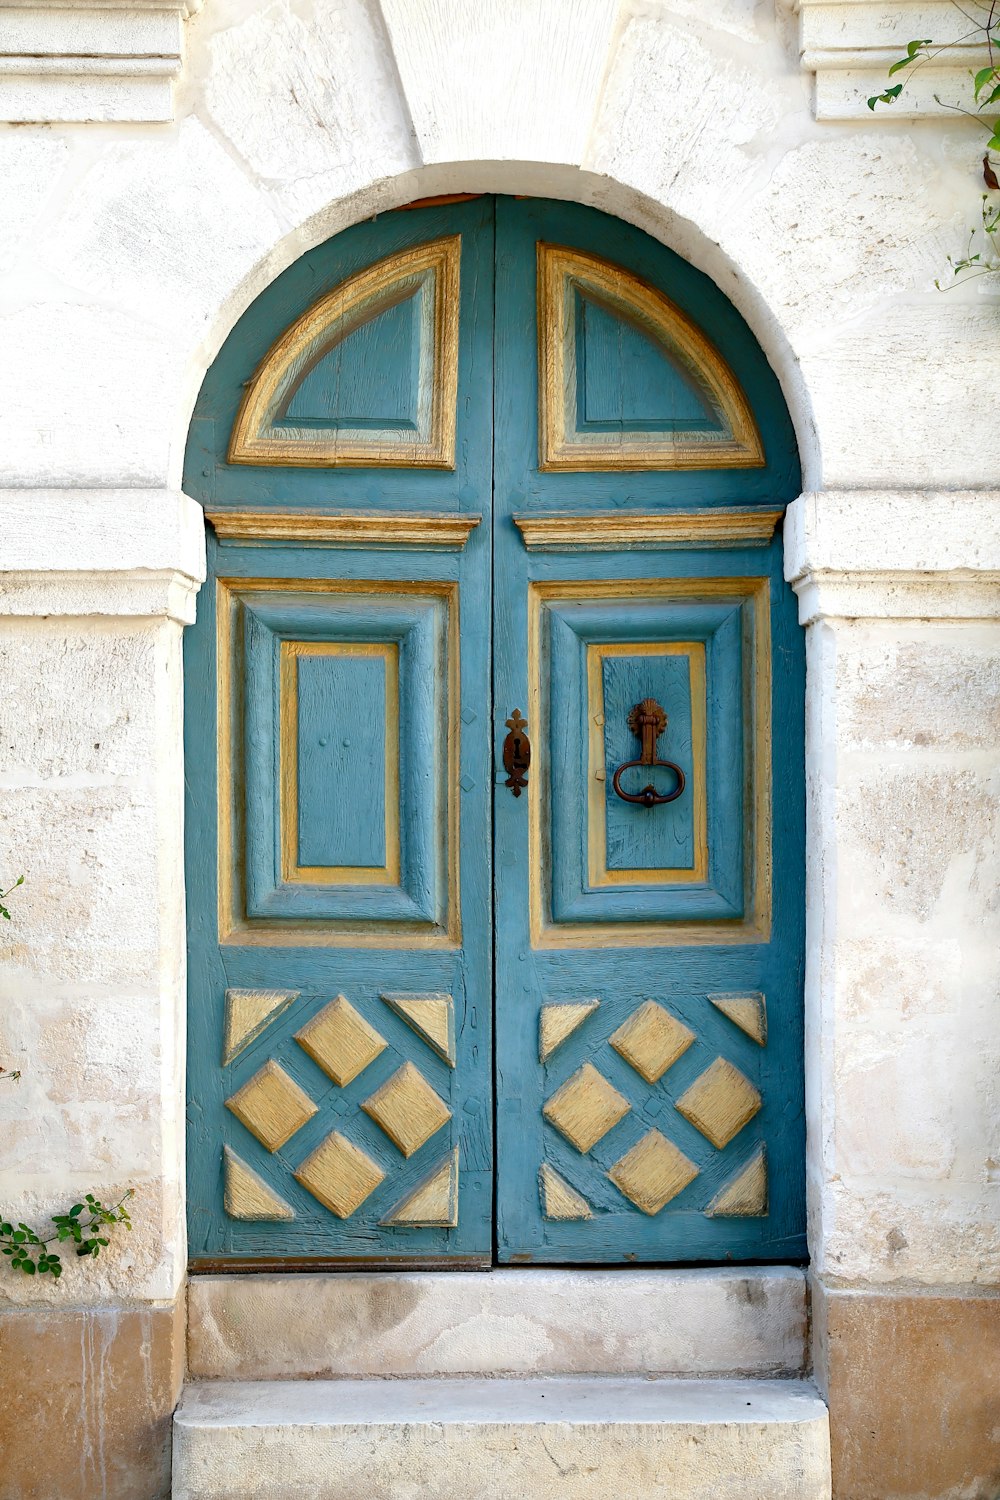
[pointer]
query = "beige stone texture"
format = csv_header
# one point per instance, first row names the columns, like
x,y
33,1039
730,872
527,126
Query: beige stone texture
x,y
496,1439
911,1381
717,1322
91,964
88,1397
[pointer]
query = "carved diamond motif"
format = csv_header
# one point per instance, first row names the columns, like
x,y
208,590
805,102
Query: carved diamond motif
x,y
407,1109
341,1041
271,1105
340,1175
586,1107
651,1040
434,1200
653,1172
720,1102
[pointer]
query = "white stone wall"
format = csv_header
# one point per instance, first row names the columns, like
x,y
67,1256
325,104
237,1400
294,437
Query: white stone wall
x,y
127,252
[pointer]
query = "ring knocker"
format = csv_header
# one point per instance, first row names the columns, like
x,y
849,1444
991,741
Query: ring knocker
x,y
647,722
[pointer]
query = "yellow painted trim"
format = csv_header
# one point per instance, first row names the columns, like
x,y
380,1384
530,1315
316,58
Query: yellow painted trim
x,y
663,530
442,533
598,873
290,654
756,925
348,307
561,268
234,927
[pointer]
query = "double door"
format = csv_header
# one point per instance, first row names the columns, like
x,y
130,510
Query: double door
x,y
494,760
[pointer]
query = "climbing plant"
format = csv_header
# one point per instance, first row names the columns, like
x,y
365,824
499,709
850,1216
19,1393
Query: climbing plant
x,y
27,1250
982,252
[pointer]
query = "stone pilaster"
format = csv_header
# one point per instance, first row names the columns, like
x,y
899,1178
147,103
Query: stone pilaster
x,y
899,595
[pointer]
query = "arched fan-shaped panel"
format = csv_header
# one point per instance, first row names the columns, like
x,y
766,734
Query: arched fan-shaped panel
x,y
367,376
627,380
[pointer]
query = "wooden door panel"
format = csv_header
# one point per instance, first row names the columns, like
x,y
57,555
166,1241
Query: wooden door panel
x,y
338,761
649,959
701,648
348,806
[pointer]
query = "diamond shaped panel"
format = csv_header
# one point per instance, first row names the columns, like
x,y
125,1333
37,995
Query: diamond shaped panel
x,y
341,1041
653,1172
586,1107
340,1175
651,1040
271,1105
407,1109
720,1102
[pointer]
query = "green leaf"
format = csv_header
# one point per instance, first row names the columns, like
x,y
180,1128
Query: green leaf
x,y
993,144
913,50
982,78
18,1237
29,1266
889,97
76,1211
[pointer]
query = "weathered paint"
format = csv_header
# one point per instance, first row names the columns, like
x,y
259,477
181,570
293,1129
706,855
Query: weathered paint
x,y
343,750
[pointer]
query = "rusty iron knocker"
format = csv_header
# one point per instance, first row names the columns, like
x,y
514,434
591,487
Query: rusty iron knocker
x,y
516,753
647,722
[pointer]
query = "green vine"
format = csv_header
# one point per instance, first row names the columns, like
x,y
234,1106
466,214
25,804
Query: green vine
x,y
26,1249
4,894
986,90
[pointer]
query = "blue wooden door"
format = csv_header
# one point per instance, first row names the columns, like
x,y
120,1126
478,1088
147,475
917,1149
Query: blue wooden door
x,y
521,436
648,958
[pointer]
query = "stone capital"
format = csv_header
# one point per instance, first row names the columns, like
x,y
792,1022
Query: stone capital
x,y
121,552
894,554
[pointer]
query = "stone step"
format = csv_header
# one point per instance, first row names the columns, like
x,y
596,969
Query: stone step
x,y
713,1322
555,1438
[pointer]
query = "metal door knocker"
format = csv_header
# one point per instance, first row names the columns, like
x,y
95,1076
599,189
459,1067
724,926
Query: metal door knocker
x,y
516,753
647,722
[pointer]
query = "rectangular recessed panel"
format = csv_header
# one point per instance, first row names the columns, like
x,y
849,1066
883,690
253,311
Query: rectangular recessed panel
x,y
629,843
606,868
340,761
338,766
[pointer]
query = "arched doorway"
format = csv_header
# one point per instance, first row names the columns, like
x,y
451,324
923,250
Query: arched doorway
x,y
493,489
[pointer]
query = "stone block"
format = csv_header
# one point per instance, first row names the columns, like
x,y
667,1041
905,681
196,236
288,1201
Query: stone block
x,y
548,1439
87,1402
718,1322
514,80
919,687
911,1381
324,118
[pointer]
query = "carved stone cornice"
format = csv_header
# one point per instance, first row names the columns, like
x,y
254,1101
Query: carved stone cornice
x,y
895,554
100,552
63,60
849,46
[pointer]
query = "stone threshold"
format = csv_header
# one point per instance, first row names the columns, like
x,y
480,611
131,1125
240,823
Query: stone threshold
x,y
576,1438
715,1322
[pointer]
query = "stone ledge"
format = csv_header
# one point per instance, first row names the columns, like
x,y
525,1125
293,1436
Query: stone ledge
x,y
850,45
577,1439
100,552
106,60
894,554
702,1322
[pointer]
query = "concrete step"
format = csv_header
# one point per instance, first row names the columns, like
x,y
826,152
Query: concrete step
x,y
715,1322
554,1438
